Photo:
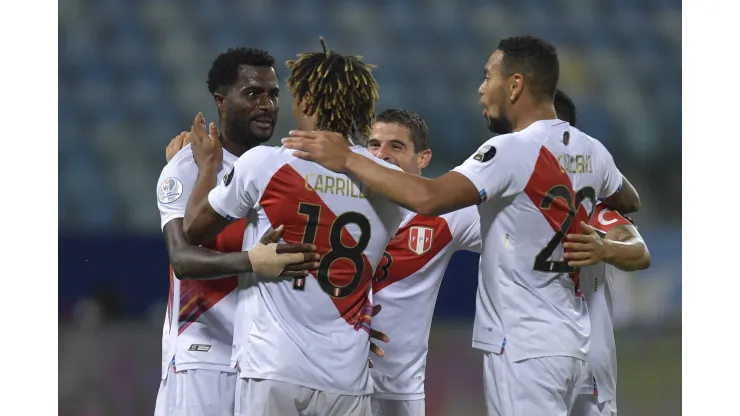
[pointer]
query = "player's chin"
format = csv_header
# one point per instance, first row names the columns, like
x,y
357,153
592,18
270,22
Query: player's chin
x,y
498,125
262,134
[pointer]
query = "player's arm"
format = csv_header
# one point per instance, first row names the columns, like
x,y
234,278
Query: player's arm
x,y
202,223
626,199
626,250
429,197
468,185
616,242
191,262
616,191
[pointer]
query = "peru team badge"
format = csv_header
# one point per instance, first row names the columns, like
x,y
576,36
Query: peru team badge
x,y
420,239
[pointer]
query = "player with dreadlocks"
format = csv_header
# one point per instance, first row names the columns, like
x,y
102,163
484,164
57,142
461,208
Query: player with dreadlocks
x,y
302,344
332,92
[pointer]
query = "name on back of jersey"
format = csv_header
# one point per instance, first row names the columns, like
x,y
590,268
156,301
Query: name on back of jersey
x,y
575,163
336,185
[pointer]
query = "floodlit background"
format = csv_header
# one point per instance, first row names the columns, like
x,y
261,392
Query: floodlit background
x,y
132,74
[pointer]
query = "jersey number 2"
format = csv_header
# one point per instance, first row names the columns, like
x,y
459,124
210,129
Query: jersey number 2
x,y
337,249
541,261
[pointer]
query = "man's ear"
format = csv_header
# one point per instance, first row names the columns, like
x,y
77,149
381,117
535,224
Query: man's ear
x,y
425,156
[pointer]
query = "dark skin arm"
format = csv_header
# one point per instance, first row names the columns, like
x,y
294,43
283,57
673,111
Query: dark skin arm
x,y
622,247
626,200
202,224
430,197
191,262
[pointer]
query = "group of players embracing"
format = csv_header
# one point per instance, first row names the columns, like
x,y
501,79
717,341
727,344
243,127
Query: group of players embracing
x,y
286,262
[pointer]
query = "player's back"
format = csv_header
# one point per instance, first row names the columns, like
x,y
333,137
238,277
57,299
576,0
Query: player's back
x,y
313,332
541,182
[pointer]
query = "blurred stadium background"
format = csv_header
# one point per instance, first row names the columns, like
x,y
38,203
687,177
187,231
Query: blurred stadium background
x,y
132,75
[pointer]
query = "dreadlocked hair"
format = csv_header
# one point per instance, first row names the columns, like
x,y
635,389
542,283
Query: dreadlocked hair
x,y
340,90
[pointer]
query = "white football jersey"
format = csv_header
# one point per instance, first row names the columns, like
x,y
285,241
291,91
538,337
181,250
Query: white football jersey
x,y
199,323
535,187
313,331
406,285
597,286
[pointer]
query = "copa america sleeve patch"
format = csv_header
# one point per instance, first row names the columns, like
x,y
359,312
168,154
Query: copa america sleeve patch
x,y
169,191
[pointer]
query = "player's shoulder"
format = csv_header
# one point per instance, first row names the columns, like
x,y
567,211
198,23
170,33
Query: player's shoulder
x,y
605,218
182,166
264,157
177,176
263,152
364,152
182,159
511,147
582,139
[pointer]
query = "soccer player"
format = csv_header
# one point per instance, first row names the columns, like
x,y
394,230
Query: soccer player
x,y
199,324
534,183
409,276
565,108
608,243
304,344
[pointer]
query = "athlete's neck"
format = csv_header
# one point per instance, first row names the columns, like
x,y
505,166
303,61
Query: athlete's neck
x,y
535,113
234,147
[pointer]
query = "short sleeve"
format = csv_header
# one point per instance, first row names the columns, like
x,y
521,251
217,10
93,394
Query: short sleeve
x,y
494,167
612,176
174,187
238,191
604,219
467,231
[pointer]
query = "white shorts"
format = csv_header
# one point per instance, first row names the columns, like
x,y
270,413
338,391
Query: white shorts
x,y
167,395
269,398
205,393
385,407
536,386
588,405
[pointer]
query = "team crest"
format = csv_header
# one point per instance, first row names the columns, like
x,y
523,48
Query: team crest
x,y
420,239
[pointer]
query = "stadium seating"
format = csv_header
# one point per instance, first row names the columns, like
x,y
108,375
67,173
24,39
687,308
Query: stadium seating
x,y
132,75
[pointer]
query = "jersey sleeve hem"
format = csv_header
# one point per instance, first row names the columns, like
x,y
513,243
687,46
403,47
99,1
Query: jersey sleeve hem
x,y
216,207
476,181
170,217
617,188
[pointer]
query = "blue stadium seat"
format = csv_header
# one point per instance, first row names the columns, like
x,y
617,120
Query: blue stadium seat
x,y
118,61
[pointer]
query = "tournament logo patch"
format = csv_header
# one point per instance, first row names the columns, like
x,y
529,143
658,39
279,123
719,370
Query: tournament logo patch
x,y
485,154
420,239
169,191
228,177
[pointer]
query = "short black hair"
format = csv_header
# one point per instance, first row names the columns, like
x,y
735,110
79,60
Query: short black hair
x,y
340,90
535,59
565,108
225,68
412,121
